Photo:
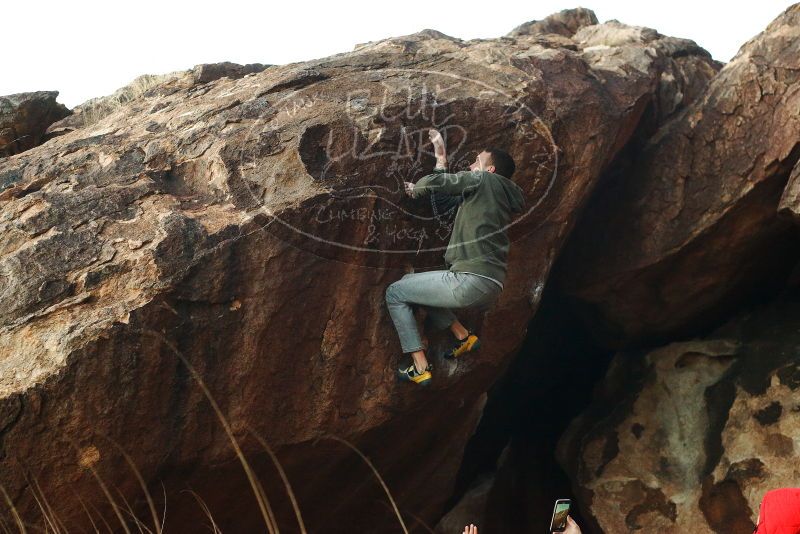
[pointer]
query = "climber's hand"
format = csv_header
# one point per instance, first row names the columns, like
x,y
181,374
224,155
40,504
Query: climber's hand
x,y
470,529
409,188
572,526
438,143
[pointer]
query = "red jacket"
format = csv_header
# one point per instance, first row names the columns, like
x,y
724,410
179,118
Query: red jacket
x,y
780,512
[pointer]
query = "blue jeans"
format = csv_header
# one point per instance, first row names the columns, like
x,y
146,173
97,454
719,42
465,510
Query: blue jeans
x,y
437,291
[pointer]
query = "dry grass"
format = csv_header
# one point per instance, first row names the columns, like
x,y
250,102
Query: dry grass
x,y
53,524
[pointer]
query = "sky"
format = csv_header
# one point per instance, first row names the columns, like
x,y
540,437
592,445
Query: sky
x,y
87,48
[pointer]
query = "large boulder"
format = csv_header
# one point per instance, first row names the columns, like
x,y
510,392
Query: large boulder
x,y
24,118
248,228
689,437
687,228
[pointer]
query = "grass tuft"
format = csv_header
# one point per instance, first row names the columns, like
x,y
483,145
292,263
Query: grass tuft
x,y
52,523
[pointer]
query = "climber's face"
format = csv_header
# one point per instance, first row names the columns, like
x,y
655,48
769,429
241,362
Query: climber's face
x,y
482,162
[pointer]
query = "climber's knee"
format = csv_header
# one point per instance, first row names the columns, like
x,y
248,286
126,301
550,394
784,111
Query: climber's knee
x,y
391,294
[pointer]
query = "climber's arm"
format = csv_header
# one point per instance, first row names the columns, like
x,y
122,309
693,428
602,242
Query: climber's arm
x,y
440,181
443,203
447,183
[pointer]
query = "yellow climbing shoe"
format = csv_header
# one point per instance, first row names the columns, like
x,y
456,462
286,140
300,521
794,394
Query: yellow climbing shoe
x,y
469,344
410,374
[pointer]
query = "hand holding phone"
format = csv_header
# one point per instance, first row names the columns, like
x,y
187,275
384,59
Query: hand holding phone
x,y
560,515
572,527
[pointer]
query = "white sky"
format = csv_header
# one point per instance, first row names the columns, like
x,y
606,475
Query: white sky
x,y
86,48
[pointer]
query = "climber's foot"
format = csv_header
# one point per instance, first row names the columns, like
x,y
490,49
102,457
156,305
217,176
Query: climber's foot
x,y
471,343
410,374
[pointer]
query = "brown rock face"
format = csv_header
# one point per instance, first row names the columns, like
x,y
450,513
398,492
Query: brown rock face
x,y
24,117
250,226
686,228
208,72
690,226
690,437
789,206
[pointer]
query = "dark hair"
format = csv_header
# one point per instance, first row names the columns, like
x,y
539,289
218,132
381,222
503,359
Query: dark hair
x,y
502,161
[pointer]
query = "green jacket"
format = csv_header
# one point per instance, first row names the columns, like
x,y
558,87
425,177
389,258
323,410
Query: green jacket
x,y
479,243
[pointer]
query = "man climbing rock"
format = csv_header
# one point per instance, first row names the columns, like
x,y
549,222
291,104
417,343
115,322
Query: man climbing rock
x,y
476,254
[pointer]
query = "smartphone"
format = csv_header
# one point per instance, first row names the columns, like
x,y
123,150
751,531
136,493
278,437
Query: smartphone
x,y
560,513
